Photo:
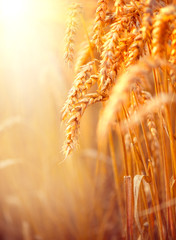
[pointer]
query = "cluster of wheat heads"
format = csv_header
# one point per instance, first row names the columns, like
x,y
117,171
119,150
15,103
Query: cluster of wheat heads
x,y
130,57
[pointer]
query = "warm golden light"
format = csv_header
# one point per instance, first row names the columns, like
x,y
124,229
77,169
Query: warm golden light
x,y
115,175
13,11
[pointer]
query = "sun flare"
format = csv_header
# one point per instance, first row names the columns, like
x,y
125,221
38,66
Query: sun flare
x,y
13,11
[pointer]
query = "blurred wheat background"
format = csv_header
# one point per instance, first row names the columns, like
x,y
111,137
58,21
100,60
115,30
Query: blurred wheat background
x,y
40,198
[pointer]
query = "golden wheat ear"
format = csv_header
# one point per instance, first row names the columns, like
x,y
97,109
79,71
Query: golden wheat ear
x,y
73,123
161,28
173,58
100,22
72,24
80,84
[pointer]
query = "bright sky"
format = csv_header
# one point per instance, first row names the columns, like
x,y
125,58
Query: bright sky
x,y
31,43
17,10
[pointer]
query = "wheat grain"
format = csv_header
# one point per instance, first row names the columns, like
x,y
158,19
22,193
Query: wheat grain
x,y
147,19
79,84
73,123
173,57
100,22
70,32
160,29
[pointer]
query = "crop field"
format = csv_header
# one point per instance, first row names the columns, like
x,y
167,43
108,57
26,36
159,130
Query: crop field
x,y
87,120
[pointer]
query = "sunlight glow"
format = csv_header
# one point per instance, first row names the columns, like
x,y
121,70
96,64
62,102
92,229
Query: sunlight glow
x,y
13,10
28,32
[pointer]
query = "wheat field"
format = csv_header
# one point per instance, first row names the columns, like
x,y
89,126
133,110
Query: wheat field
x,y
88,126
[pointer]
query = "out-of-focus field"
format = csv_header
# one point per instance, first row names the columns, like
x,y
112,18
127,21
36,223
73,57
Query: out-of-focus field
x,y
41,196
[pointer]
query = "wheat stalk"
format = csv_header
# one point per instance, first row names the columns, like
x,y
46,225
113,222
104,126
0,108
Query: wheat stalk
x,y
131,60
